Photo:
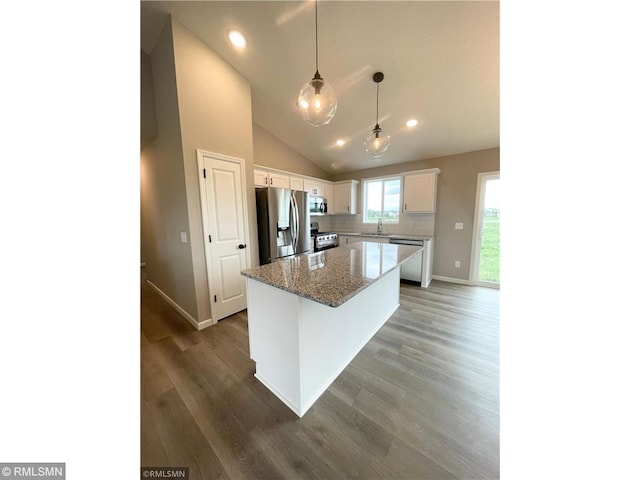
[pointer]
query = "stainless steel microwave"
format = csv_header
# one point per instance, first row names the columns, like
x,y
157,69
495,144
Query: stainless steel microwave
x,y
317,205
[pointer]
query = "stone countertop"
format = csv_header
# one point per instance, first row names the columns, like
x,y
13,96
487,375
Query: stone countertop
x,y
386,235
333,276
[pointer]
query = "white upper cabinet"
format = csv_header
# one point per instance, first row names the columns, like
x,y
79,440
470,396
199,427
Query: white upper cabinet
x,y
344,197
420,191
314,187
260,178
328,195
341,196
264,178
278,180
296,183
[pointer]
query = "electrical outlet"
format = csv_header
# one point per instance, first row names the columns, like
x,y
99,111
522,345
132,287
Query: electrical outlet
x,y
457,263
459,225
183,237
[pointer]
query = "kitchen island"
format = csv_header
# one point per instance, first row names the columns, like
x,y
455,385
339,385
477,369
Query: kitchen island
x,y
310,315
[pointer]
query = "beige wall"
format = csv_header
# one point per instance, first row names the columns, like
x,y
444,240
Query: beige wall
x,y
455,203
270,151
215,115
201,103
164,210
148,125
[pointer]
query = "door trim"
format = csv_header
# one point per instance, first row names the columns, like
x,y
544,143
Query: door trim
x,y
201,154
477,221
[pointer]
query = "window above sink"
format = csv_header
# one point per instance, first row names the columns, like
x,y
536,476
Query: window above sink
x,y
381,199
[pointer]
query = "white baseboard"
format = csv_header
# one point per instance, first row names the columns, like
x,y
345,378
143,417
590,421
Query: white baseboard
x,y
279,394
180,310
451,280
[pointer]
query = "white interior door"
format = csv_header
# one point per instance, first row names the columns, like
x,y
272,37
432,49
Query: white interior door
x,y
485,269
225,230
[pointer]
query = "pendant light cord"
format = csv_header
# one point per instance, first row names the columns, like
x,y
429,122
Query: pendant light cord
x,y
316,35
377,91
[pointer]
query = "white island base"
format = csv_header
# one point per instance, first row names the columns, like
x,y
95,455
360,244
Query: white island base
x,y
301,346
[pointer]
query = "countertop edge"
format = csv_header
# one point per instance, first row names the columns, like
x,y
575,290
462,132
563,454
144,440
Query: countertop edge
x,y
342,301
386,235
292,291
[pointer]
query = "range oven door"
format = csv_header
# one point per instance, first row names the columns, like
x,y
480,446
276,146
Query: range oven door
x,y
326,247
320,248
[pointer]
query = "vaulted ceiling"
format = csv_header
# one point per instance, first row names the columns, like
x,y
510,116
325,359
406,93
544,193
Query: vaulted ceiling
x,y
440,62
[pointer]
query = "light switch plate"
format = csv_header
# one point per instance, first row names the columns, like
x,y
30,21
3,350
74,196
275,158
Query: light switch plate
x,y
183,237
459,225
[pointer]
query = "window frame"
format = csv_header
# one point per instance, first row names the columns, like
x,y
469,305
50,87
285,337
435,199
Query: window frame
x,y
365,183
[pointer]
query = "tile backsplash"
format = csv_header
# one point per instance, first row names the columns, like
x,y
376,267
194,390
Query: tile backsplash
x,y
410,224
324,222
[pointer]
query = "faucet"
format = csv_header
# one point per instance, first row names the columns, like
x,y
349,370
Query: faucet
x,y
380,225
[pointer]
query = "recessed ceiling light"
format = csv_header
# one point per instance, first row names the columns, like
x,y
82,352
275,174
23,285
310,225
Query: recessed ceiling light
x,y
340,142
237,39
411,123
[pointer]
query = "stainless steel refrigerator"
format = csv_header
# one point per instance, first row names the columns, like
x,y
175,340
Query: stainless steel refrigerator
x,y
284,224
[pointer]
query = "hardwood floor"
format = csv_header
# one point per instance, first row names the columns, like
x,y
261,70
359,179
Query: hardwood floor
x,y
420,401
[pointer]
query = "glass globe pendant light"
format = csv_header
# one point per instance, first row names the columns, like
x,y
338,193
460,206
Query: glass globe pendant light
x,y
377,143
317,101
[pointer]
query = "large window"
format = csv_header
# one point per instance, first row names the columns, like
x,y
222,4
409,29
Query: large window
x,y
381,200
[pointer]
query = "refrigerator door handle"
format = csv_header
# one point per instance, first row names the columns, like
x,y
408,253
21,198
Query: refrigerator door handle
x,y
296,221
292,216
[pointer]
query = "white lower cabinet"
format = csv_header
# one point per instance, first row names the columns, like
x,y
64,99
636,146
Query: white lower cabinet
x,y
412,269
344,240
418,267
348,239
372,239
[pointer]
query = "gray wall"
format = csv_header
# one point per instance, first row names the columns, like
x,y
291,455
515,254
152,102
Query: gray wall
x,y
148,125
270,151
455,203
215,115
164,209
201,102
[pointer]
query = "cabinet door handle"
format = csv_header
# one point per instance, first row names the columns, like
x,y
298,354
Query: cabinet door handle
x,y
271,181
405,206
265,181
348,207
242,245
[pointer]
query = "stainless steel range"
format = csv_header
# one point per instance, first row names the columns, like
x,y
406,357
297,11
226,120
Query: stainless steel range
x,y
322,240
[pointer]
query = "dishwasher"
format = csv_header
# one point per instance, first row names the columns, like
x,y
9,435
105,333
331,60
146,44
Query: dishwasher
x,y
412,268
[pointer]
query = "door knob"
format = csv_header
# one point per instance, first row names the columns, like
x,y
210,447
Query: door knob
x,y
242,245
